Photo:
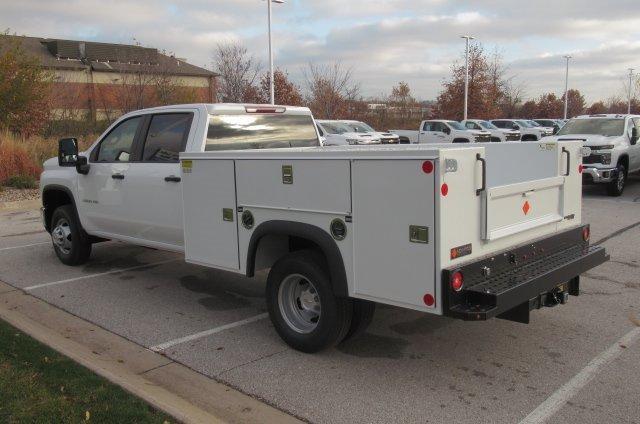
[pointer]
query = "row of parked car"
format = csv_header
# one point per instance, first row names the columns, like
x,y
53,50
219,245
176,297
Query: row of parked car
x,y
351,132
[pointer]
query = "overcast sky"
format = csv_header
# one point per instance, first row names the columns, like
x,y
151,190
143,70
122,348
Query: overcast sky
x,y
384,41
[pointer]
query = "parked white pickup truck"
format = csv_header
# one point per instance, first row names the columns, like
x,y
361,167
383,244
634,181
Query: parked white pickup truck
x,y
528,132
612,143
442,131
497,134
469,232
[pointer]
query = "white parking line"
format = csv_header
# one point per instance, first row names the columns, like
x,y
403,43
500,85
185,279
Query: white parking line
x,y
557,400
26,245
206,333
115,271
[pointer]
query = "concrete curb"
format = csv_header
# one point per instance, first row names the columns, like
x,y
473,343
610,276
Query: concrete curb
x,y
166,385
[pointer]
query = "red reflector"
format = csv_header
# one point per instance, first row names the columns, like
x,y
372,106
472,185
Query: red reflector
x,y
428,300
444,189
586,233
580,168
457,281
427,167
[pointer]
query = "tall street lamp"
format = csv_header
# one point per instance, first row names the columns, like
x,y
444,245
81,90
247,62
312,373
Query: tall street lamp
x,y
566,87
271,83
630,86
466,72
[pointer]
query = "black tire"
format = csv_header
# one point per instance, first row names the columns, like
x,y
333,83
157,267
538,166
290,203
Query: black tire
x,y
298,269
70,242
363,311
616,187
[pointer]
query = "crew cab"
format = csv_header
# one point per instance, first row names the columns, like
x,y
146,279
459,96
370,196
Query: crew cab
x,y
528,131
442,131
335,133
474,232
497,135
554,124
612,143
361,127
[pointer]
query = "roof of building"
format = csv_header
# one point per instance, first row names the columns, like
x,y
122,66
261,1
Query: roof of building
x,y
102,57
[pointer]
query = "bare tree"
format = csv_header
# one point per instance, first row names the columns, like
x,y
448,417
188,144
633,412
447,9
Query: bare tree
x,y
238,72
330,89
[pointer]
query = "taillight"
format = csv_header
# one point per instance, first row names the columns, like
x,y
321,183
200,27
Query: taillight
x,y
580,168
457,281
444,189
427,167
586,233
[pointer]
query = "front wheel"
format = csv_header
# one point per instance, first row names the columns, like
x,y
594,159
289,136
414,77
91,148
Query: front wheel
x,y
301,303
70,242
616,187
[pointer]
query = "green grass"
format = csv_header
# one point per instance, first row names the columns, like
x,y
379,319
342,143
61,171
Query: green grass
x,y
38,385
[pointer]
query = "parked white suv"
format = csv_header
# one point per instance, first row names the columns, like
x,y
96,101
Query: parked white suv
x,y
528,131
443,131
335,133
612,144
496,133
361,127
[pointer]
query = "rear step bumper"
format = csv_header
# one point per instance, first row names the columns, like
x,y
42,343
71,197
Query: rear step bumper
x,y
511,283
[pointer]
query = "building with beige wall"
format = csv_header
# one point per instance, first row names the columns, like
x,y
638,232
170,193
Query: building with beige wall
x,y
100,81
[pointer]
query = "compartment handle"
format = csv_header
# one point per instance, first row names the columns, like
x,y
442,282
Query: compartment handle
x,y
484,174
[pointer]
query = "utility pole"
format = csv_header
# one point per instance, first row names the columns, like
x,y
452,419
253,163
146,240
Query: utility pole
x,y
630,87
466,73
271,82
566,87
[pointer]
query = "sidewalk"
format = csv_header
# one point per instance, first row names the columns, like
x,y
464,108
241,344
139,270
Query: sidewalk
x,y
167,385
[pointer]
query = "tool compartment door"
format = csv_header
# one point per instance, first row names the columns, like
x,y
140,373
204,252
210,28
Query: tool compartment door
x,y
393,231
210,218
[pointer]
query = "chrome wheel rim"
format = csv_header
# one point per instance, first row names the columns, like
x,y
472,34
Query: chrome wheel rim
x,y
61,236
299,303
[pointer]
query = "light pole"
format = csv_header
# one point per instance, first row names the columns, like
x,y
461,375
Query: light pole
x,y
271,83
630,86
566,87
466,72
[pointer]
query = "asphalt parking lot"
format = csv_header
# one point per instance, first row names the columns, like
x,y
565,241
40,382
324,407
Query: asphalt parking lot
x,y
408,367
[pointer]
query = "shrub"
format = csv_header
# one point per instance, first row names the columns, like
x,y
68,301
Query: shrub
x,y
21,181
16,161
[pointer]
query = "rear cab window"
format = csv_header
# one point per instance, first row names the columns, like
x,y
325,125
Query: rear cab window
x,y
166,137
260,131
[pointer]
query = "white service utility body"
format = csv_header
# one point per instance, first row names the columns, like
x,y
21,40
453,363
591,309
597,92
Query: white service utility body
x,y
471,232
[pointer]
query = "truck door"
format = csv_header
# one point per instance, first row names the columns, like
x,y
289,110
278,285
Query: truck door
x,y
430,132
634,150
152,186
101,197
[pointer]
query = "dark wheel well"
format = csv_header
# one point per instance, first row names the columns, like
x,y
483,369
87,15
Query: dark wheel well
x,y
624,159
53,198
460,140
284,237
404,140
529,137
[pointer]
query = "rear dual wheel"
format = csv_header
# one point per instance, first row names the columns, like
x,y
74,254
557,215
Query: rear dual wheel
x,y
303,309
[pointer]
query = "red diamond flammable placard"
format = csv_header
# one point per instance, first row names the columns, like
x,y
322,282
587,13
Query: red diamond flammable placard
x,y
526,207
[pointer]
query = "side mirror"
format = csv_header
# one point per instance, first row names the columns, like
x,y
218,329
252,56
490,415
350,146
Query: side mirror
x,y
516,127
634,135
446,130
67,152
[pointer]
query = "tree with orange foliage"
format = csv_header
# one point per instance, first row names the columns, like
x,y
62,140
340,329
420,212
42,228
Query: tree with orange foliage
x,y
286,92
486,87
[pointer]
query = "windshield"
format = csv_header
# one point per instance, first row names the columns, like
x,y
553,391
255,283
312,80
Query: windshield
x,y
487,125
525,124
606,127
456,125
534,123
248,131
335,127
359,127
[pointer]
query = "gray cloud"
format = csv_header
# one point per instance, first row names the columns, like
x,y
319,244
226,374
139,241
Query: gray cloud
x,y
384,41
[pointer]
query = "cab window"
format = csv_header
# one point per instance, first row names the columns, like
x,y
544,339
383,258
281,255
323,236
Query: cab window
x,y
166,137
116,146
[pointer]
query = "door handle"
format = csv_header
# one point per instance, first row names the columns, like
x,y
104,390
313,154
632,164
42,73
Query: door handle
x,y
564,150
484,174
172,179
117,176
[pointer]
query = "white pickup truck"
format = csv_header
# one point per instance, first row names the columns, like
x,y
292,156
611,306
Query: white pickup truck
x,y
612,143
442,131
475,232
